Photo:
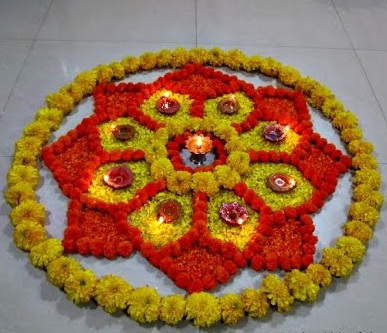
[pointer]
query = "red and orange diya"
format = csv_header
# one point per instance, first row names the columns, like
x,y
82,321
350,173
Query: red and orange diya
x,y
169,211
118,177
281,182
123,132
167,105
228,105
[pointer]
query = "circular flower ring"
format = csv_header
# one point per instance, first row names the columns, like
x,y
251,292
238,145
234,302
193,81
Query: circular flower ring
x,y
145,304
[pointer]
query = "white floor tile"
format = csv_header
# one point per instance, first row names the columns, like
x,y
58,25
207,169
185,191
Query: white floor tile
x,y
12,57
375,66
52,65
276,22
365,22
121,20
21,18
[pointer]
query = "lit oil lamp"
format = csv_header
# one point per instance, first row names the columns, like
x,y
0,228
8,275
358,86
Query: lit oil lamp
x,y
123,132
167,105
228,105
233,213
169,211
275,132
281,182
198,146
118,177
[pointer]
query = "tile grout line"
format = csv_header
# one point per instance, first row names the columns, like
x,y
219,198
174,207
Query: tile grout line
x,y
360,63
25,61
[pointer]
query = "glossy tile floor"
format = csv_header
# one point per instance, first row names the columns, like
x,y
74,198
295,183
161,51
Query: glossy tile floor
x,y
45,43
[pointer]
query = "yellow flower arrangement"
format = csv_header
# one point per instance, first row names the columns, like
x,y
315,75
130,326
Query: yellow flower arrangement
x,y
205,309
172,309
301,286
232,308
44,253
28,211
18,193
205,182
255,303
179,182
60,269
337,262
28,234
319,274
144,305
79,286
112,293
277,293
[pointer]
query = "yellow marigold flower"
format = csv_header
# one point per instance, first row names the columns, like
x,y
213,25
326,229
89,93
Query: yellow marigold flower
x,y
75,90
359,230
42,254
28,211
352,247
232,308
87,80
319,274
362,161
319,95
205,182
60,100
28,234
370,177
226,177
198,55
345,119
148,61
331,107
351,134
164,58
203,308
60,269
234,144
118,70
301,286
255,303
270,66
39,129
29,143
307,85
252,64
144,305
155,150
172,309
79,286
112,293
365,193
53,116
289,76
161,135
161,168
179,182
104,73
180,56
225,132
337,262
19,193
216,57
234,59
131,64
23,173
360,147
239,161
363,212
277,293
26,157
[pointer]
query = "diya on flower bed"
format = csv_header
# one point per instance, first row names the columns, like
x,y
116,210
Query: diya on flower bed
x,y
203,174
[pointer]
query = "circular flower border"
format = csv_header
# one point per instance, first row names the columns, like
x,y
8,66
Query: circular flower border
x,y
144,304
